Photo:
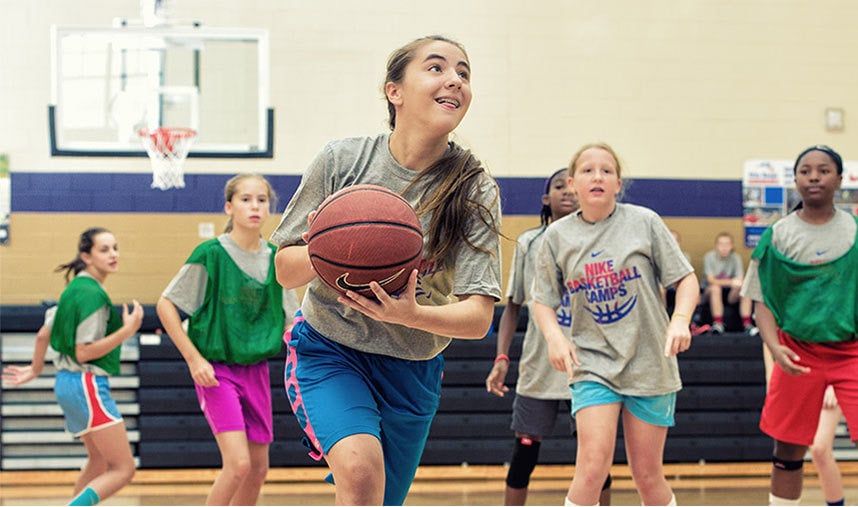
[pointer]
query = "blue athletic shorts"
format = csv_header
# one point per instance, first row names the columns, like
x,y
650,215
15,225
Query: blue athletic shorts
x,y
86,401
655,410
336,391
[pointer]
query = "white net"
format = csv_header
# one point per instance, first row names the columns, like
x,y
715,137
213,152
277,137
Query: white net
x,y
167,149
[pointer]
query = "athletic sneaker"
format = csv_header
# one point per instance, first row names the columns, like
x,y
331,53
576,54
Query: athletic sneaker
x,y
718,328
752,330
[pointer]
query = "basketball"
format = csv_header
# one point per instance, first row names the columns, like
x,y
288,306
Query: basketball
x,y
364,233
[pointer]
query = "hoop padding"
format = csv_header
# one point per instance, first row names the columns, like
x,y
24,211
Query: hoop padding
x,y
167,148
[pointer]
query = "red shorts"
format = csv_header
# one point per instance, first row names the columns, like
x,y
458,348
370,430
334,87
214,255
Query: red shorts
x,y
793,403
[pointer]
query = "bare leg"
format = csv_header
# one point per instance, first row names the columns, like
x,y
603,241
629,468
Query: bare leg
x,y
769,363
110,444
822,452
95,465
357,463
236,465
597,435
248,490
745,305
716,301
645,451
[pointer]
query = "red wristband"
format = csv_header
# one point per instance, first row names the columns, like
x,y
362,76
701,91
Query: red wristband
x,y
501,357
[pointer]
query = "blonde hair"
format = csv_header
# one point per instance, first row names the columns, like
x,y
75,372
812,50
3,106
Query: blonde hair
x,y
231,188
573,164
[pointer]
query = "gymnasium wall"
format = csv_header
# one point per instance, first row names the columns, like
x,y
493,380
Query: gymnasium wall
x,y
53,208
685,90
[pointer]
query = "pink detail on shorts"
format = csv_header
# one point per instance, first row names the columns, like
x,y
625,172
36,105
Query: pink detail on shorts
x,y
291,385
98,416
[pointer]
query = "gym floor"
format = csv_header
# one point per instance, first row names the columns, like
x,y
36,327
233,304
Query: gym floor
x,y
704,484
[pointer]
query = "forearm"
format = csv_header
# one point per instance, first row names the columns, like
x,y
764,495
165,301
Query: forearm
x,y
293,266
718,282
86,352
765,321
40,349
687,295
506,327
469,318
172,322
546,319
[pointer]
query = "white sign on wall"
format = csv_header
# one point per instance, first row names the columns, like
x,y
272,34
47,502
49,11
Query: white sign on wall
x,y
768,193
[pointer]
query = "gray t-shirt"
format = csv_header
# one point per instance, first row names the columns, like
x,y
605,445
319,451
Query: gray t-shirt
x,y
187,289
611,272
805,243
536,377
722,268
367,160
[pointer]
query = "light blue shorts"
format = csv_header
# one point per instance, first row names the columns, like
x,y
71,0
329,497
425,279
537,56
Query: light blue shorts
x,y
656,410
86,401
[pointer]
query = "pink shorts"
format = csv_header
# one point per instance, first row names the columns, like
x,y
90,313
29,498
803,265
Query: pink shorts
x,y
242,401
793,403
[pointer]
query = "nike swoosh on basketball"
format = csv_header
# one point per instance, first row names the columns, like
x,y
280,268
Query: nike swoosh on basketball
x,y
343,283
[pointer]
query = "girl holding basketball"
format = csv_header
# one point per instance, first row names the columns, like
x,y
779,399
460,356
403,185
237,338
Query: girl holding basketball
x,y
87,332
364,375
610,261
228,288
808,255
541,391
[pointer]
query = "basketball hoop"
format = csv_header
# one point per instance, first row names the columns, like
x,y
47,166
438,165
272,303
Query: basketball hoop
x,y
167,148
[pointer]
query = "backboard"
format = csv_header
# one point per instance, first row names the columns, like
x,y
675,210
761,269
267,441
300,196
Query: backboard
x,y
109,82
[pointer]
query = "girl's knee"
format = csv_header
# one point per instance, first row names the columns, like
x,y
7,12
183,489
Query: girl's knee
x,y
126,470
238,468
258,472
821,454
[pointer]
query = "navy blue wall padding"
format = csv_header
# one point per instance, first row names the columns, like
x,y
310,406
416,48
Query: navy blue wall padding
x,y
717,413
203,193
29,318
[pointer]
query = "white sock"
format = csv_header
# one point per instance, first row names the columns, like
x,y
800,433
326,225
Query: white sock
x,y
570,503
776,500
671,502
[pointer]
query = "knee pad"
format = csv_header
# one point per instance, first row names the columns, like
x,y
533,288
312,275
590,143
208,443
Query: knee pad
x,y
788,465
524,457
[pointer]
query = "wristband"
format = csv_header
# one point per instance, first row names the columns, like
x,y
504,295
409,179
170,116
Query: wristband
x,y
501,357
677,314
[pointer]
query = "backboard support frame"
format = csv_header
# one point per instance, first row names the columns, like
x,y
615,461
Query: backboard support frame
x,y
258,116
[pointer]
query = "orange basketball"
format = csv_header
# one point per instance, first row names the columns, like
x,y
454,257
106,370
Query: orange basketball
x,y
364,233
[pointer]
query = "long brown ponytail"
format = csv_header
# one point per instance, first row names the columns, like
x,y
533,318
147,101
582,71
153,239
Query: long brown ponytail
x,y
84,245
453,203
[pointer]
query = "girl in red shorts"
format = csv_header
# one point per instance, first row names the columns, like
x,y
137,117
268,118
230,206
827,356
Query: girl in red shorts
x,y
802,278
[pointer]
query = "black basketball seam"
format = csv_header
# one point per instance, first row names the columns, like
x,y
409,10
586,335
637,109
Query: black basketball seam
x,y
352,266
356,188
370,222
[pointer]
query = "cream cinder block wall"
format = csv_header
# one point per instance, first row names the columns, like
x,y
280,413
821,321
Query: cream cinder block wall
x,y
152,249
681,88
684,89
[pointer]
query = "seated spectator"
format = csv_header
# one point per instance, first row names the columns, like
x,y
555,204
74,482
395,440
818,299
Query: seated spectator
x,y
722,281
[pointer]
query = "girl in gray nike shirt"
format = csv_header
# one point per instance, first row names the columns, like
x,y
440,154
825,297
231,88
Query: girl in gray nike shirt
x,y
610,260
